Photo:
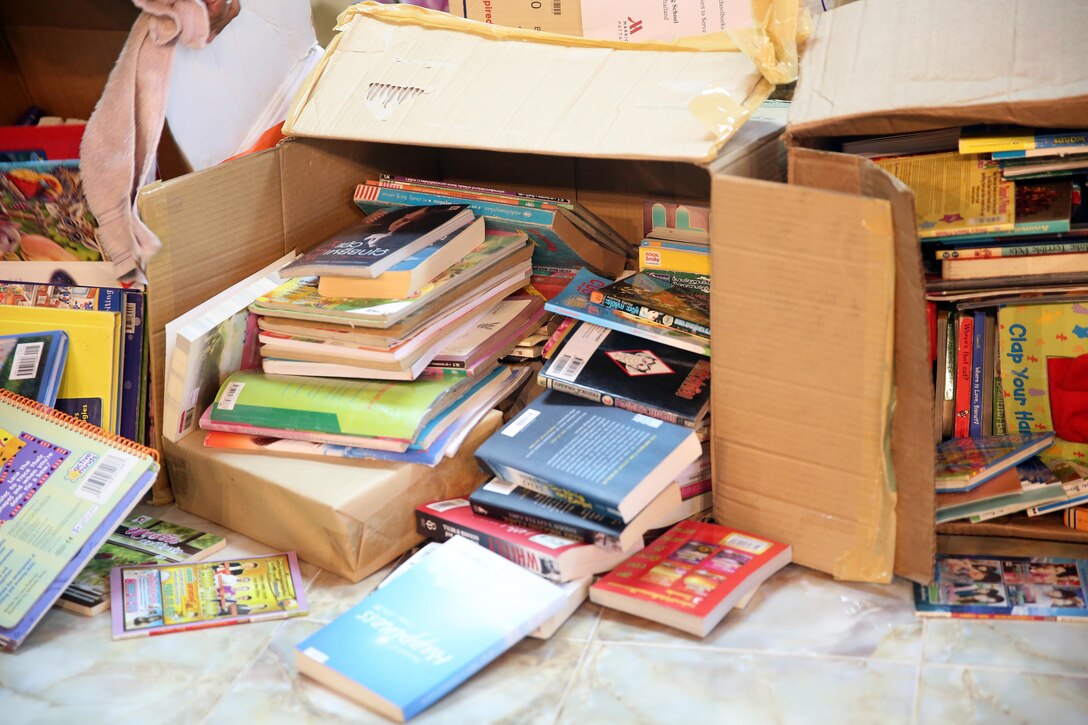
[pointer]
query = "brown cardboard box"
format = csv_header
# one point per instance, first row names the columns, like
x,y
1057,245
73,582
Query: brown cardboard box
x,y
879,67
346,516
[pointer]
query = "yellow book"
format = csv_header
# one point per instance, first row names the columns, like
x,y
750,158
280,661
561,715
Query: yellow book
x,y
654,254
91,382
955,193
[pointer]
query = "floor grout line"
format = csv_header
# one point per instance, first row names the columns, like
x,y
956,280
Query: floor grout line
x,y
916,709
1008,670
245,670
748,651
586,646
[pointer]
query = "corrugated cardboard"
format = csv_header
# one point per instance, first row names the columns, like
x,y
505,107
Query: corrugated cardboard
x,y
347,517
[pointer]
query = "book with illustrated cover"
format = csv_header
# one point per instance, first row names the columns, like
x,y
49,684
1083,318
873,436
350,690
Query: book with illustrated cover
x,y
139,540
575,301
965,463
955,194
65,485
988,139
165,598
1044,206
657,302
606,459
31,364
556,558
398,653
44,215
632,373
691,576
672,214
369,247
991,587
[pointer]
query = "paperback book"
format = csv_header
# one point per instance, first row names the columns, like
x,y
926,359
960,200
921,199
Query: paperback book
x,y
31,364
658,302
965,463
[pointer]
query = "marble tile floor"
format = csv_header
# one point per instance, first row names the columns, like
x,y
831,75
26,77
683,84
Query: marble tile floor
x,y
807,649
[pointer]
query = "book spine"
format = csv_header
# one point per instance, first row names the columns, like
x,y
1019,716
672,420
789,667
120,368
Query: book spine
x,y
370,198
1076,517
653,257
431,184
964,345
463,193
1024,250
615,401
518,518
437,529
999,427
978,357
1054,150
645,312
697,282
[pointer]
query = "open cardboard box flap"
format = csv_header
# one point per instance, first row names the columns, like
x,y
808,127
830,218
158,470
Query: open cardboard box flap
x,y
402,75
885,67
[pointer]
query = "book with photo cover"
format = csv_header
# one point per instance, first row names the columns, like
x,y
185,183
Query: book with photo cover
x,y
658,302
369,247
990,587
691,576
31,364
632,373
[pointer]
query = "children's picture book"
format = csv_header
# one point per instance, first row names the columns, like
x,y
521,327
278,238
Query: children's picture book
x,y
43,213
629,372
556,558
691,576
990,587
606,459
165,598
398,653
369,247
31,364
65,485
955,194
659,302
965,463
575,301
138,541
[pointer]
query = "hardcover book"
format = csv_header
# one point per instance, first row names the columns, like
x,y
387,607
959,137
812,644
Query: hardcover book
x,y
632,373
65,485
965,463
31,364
986,587
369,247
597,457
658,302
139,540
691,576
45,215
575,301
397,653
555,558
165,598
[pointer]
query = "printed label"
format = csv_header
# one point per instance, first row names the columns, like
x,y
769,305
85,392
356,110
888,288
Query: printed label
x,y
574,355
24,364
746,543
316,655
104,478
497,486
520,423
453,503
230,397
647,420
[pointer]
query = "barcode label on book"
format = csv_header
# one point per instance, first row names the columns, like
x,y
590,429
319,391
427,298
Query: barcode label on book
x,y
230,396
187,420
577,351
130,318
519,424
647,420
453,503
24,364
104,478
746,543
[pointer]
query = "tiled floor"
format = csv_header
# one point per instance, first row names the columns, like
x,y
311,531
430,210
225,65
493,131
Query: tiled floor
x,y
805,650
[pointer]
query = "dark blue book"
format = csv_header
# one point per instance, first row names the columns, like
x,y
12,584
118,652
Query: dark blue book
x,y
134,364
31,364
610,460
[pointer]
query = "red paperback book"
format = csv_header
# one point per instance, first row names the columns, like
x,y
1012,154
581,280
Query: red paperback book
x,y
691,576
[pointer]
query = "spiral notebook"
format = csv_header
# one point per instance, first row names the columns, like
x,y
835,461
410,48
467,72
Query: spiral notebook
x,y
65,485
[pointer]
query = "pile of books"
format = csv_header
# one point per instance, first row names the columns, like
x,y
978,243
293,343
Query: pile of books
x,y
1004,234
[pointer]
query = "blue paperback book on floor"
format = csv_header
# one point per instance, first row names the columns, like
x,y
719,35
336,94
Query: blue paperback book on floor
x,y
415,639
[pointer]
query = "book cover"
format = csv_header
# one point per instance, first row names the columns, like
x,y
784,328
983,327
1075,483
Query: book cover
x,y
91,381
1076,517
1042,207
385,237
606,459
632,373
31,364
575,301
691,576
53,142
954,193
657,302
556,558
501,326
139,540
1005,492
987,139
698,283
965,329
397,653
672,214
64,486
166,598
987,587
45,216
1043,366
964,463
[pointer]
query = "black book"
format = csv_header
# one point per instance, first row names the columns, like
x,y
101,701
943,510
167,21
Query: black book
x,y
369,247
630,372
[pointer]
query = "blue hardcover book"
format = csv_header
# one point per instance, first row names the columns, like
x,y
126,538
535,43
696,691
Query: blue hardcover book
x,y
31,364
978,363
574,302
398,653
607,459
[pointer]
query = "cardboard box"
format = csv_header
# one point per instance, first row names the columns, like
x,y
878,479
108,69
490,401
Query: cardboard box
x,y
346,516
